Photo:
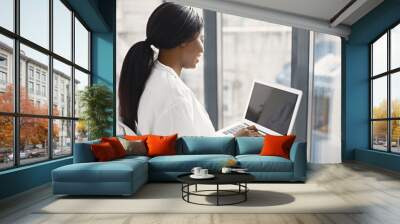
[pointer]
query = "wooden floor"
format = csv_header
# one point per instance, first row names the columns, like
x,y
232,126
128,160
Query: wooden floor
x,y
378,188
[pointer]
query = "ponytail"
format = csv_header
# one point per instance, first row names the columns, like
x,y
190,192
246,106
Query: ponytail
x,y
168,26
136,69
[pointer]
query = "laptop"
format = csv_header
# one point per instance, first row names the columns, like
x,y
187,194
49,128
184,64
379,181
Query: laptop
x,y
271,107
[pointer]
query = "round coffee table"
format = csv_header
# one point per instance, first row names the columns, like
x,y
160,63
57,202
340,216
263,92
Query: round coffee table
x,y
238,179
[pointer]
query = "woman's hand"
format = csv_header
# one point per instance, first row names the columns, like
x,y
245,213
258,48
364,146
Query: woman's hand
x,y
250,131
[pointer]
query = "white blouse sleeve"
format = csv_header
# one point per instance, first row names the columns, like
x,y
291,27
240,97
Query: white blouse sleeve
x,y
176,118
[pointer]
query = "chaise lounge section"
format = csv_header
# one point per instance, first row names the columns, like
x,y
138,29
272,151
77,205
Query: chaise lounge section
x,y
125,176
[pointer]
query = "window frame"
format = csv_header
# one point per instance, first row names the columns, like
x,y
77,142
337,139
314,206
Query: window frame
x,y
16,115
388,74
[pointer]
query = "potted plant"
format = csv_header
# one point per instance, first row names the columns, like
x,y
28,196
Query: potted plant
x,y
96,103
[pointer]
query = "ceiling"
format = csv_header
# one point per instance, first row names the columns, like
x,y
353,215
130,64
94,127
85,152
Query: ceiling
x,y
328,16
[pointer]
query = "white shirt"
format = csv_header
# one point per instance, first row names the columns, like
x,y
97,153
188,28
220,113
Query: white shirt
x,y
167,106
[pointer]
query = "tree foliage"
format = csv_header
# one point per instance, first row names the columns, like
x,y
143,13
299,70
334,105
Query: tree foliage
x,y
380,127
33,131
96,102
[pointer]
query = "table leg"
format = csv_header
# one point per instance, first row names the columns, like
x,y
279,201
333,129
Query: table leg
x,y
245,193
217,194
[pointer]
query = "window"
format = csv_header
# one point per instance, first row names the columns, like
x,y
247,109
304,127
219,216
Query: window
x,y
6,142
45,131
38,89
30,72
6,74
81,81
35,21
7,14
385,94
62,137
326,99
44,91
251,50
3,78
62,73
194,78
30,87
62,29
81,45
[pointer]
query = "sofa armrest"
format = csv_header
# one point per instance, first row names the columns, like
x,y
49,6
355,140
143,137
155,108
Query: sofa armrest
x,y
83,152
298,155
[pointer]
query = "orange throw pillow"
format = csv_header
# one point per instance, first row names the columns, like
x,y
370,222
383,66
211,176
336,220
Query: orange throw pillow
x,y
136,137
103,151
277,145
116,145
161,145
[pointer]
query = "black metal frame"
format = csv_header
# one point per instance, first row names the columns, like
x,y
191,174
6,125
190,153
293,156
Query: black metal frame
x,y
242,191
388,74
16,115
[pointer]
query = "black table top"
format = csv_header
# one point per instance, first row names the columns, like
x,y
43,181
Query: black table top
x,y
220,178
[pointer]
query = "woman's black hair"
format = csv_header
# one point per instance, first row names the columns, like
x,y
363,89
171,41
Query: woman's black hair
x,y
168,26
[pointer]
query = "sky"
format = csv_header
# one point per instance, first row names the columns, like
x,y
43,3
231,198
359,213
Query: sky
x,y
35,27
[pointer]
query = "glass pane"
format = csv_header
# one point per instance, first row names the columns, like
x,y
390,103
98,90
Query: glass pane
x,y
35,21
7,14
62,138
6,74
379,56
132,17
252,50
81,45
34,96
62,89
395,138
194,78
62,29
379,135
81,131
395,47
6,142
81,81
33,139
326,131
395,95
379,98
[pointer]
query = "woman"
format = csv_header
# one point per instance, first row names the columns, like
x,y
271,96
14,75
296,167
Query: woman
x,y
153,98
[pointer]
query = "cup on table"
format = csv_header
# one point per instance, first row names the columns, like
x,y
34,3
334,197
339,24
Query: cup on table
x,y
196,171
203,172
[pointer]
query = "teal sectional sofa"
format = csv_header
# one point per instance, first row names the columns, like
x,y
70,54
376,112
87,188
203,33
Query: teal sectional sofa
x,y
125,176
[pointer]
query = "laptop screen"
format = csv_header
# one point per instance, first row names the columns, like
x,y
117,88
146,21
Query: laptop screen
x,y
271,108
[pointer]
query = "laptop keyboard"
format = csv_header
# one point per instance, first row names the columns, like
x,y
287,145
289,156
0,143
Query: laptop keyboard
x,y
235,129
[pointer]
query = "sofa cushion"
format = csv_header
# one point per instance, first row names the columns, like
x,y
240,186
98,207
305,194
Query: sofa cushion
x,y
277,145
103,152
198,145
249,145
257,163
161,145
111,171
185,163
116,145
83,153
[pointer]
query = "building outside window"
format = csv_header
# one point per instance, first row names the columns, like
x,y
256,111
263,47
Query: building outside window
x,y
34,79
385,94
3,72
30,87
30,72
